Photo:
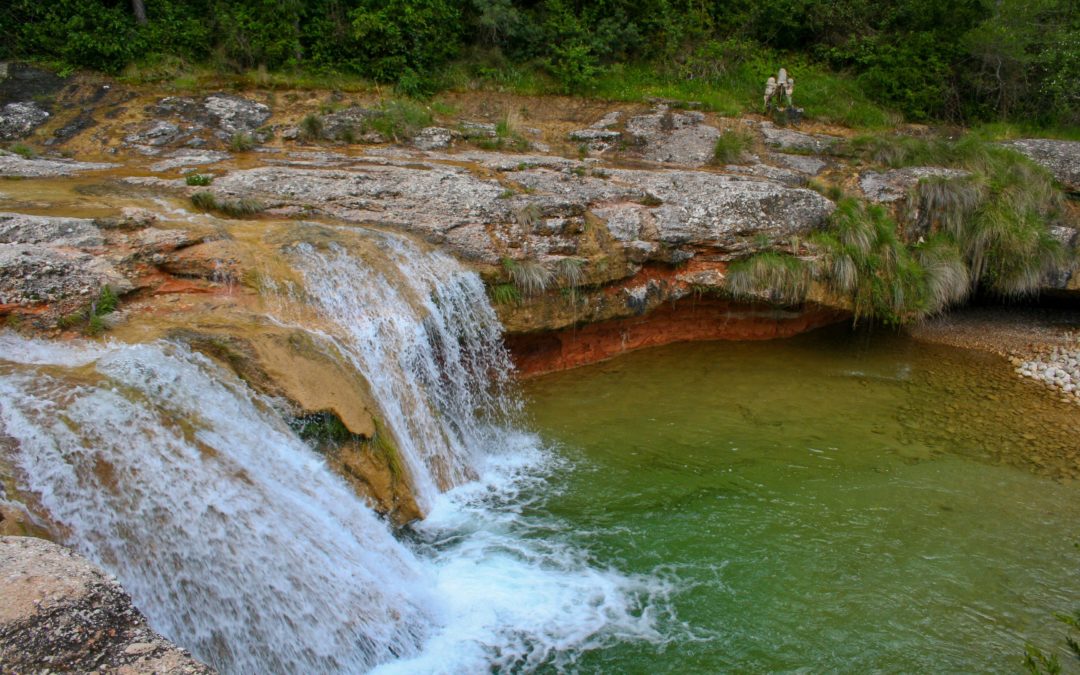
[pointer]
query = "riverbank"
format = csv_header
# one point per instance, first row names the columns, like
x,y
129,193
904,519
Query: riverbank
x,y
1041,343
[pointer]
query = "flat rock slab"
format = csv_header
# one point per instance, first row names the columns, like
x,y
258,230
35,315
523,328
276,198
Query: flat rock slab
x,y
787,139
179,159
63,613
674,137
479,218
805,164
1061,158
893,185
17,166
18,228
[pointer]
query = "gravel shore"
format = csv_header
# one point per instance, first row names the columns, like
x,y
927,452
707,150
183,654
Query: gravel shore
x,y
1040,343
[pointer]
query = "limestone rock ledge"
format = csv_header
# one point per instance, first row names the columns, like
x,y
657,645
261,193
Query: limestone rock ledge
x,y
60,612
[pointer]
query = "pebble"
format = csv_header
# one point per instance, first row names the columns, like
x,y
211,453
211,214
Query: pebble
x,y
1059,368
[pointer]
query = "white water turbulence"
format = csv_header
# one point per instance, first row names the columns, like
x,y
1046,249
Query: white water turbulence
x,y
228,531
430,346
514,594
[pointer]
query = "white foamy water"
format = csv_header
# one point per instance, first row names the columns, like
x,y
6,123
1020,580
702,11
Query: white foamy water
x,y
239,544
514,594
229,533
430,346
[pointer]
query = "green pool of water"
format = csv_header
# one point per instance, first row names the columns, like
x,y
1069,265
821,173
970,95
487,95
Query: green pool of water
x,y
835,502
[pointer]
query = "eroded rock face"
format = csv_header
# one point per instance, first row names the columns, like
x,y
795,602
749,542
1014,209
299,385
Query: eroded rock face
x,y
1062,158
186,121
60,612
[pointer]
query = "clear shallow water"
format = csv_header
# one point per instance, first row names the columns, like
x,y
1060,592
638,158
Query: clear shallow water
x,y
808,510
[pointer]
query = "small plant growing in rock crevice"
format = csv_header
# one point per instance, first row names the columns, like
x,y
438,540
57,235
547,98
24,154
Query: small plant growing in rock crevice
x,y
529,276
505,294
242,142
528,215
91,319
730,146
311,128
23,150
198,179
233,208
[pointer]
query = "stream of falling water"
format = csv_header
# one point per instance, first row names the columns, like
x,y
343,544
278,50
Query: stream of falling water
x,y
239,544
430,347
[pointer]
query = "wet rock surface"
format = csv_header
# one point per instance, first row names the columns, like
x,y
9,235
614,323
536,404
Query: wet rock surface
x,y
12,165
62,613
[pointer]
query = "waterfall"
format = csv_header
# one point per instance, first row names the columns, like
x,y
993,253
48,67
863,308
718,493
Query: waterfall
x,y
422,332
240,545
229,533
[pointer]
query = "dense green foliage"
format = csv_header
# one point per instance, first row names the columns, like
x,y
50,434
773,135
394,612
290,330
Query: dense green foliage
x,y
961,61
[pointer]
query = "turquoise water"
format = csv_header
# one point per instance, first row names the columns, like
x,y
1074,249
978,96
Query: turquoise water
x,y
834,502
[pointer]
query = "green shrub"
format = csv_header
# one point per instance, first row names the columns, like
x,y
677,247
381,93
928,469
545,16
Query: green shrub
x,y
198,179
399,119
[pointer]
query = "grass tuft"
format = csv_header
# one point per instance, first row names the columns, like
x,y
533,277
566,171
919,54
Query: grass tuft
x,y
233,208
198,179
730,146
530,276
775,277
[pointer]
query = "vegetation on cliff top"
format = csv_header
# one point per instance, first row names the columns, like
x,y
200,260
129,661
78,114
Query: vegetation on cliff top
x,y
987,229
959,61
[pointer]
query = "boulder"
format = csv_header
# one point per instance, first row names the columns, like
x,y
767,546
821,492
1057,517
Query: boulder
x,y
62,613
433,138
17,120
234,114
1061,158
19,228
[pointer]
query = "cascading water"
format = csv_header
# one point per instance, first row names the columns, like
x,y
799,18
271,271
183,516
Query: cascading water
x,y
430,346
227,530
239,544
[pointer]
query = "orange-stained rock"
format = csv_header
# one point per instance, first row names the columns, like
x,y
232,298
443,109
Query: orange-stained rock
x,y
685,320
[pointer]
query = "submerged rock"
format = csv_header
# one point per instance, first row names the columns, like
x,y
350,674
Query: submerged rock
x,y
63,613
